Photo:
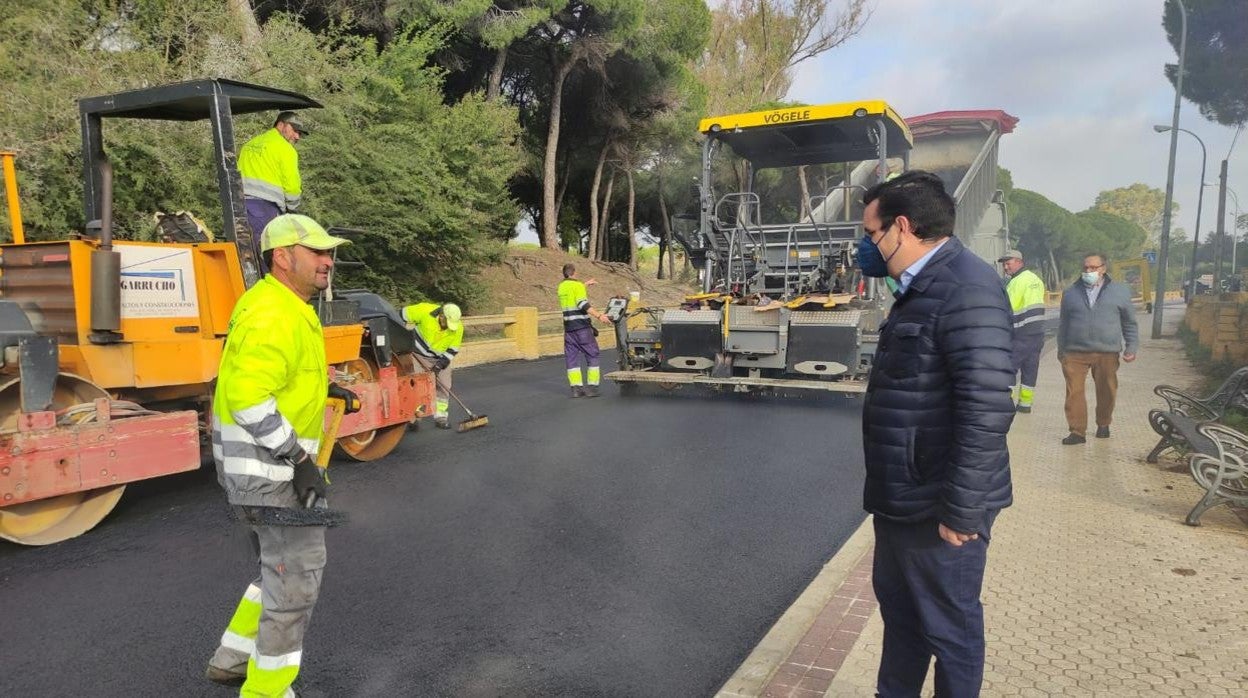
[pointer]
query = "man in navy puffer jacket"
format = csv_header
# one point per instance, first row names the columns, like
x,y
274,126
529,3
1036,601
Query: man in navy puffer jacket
x,y
935,418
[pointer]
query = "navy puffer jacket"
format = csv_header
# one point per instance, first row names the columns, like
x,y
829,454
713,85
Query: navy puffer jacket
x,y
938,403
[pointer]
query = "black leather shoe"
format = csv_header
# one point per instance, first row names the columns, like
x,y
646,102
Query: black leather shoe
x,y
577,391
1102,432
1074,439
591,391
1025,409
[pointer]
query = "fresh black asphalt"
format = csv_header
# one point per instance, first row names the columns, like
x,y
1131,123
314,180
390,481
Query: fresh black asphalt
x,y
620,546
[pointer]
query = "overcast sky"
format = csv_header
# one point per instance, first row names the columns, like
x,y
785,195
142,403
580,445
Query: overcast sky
x,y
1084,77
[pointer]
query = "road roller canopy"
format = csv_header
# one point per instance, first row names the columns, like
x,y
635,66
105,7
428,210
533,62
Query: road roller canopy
x,y
811,135
215,100
193,100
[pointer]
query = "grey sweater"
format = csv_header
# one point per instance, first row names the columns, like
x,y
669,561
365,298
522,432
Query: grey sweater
x,y
1106,326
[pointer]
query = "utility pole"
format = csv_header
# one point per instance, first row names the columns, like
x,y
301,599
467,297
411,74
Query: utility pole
x,y
1217,251
1200,201
1159,289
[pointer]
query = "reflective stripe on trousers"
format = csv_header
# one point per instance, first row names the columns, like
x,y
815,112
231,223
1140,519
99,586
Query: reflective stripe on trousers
x,y
445,376
578,343
264,638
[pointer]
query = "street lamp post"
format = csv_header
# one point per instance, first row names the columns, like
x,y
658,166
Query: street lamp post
x,y
1200,199
1159,289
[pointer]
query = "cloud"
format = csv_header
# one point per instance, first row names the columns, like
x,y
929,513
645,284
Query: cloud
x,y
1085,79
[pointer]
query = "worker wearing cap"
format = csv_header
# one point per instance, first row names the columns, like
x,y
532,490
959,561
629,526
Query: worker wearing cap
x,y
269,165
579,336
439,332
268,412
1026,292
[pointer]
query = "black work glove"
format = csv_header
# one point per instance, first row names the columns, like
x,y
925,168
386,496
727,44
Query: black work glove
x,y
351,399
441,363
309,478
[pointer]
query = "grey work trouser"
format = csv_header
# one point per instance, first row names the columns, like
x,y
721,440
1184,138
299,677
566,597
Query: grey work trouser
x,y
268,626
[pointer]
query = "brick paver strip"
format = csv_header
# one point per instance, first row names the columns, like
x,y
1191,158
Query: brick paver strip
x,y
815,660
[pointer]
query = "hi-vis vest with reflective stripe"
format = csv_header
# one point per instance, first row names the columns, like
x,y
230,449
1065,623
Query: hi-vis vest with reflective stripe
x,y
270,395
444,343
269,165
1026,292
574,302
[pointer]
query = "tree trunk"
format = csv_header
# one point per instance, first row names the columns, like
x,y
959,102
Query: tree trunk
x,y
249,31
805,212
632,222
604,228
495,86
563,189
665,242
550,215
592,249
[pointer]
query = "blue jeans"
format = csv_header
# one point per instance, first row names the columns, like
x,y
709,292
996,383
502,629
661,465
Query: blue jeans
x,y
928,592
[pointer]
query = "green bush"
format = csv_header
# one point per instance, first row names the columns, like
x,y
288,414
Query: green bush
x,y
426,179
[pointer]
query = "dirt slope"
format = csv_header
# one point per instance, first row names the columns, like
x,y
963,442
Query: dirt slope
x,y
530,277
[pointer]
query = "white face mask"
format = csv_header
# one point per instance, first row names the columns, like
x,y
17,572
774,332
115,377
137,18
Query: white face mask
x,y
1091,277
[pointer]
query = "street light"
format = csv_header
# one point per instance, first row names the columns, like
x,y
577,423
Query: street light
x,y
1200,199
1234,230
1159,289
1234,227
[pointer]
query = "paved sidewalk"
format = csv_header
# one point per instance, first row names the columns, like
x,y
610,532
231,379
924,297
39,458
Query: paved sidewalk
x,y
1094,586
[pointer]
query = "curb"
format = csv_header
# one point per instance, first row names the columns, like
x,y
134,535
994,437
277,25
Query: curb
x,y
752,677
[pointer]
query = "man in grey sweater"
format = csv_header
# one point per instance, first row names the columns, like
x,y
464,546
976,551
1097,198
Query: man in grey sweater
x,y
1097,322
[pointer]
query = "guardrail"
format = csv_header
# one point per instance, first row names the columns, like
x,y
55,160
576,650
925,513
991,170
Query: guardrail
x,y
1053,299
526,334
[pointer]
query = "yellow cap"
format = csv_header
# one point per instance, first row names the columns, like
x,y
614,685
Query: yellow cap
x,y
452,313
296,229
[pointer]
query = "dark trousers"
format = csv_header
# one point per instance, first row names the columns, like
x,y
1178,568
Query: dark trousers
x,y
928,592
1025,355
259,213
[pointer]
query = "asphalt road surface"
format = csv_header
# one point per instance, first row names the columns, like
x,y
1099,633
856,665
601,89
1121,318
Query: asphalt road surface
x,y
622,546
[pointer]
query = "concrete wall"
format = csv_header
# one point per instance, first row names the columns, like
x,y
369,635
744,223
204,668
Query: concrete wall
x,y
522,337
1221,325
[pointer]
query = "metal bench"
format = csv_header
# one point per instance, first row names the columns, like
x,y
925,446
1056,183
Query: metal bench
x,y
1221,470
1188,410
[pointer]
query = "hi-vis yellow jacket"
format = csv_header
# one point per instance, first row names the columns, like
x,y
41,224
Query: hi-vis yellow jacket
x,y
443,343
269,165
1026,292
574,302
270,396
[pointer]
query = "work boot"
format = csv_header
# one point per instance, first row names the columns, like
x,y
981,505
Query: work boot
x,y
1025,409
591,391
223,677
1102,432
442,422
578,391
1073,439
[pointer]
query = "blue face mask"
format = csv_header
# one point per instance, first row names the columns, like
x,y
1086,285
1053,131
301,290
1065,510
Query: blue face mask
x,y
870,261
